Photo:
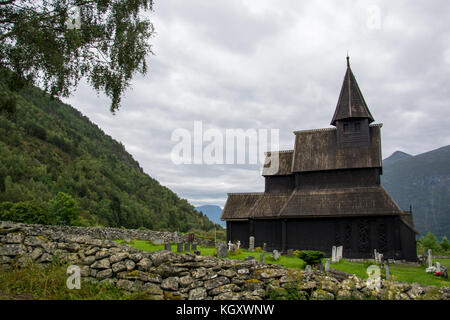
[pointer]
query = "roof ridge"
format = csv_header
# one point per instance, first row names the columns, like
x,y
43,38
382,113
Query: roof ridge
x,y
314,130
279,151
245,193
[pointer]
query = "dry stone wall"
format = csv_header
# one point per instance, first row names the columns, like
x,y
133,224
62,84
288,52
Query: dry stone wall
x,y
169,275
104,233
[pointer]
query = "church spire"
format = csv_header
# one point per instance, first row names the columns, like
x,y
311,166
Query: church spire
x,y
351,102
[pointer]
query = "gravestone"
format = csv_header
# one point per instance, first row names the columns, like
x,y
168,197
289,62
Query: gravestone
x,y
264,247
375,255
290,252
339,253
167,247
380,258
333,255
276,254
194,246
308,268
386,268
252,244
180,247
238,244
430,258
230,245
187,246
327,265
261,258
438,267
222,250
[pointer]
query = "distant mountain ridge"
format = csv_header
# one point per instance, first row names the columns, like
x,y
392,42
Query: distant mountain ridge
x,y
213,212
422,181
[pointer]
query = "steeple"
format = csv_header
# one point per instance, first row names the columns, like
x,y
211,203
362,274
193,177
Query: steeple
x,y
351,102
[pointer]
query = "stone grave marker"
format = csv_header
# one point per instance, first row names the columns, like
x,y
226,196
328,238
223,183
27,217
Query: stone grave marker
x,y
238,244
327,265
167,247
339,252
430,258
222,250
333,255
230,245
261,258
252,244
194,246
187,246
264,248
308,268
438,267
180,247
276,254
386,268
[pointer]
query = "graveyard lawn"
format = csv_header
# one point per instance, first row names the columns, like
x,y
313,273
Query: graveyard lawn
x,y
405,273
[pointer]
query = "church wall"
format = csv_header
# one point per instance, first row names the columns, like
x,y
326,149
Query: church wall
x,y
359,236
337,178
238,230
269,232
279,184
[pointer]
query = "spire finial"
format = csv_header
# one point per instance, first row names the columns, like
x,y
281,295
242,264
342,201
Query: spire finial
x,y
348,60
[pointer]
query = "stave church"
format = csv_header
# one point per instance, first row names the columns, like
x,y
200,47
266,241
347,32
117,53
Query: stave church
x,y
326,192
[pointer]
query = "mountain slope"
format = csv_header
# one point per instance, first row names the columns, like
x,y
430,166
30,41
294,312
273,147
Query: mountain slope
x,y
212,212
424,182
47,147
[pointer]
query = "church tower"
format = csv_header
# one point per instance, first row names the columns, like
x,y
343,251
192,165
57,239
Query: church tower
x,y
352,116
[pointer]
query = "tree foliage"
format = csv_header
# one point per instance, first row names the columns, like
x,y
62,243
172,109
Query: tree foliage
x,y
40,173
54,44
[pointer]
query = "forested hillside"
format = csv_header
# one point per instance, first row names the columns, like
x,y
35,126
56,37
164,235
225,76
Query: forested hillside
x,y
51,153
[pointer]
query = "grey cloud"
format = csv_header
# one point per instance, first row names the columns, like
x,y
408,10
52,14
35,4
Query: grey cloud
x,y
278,65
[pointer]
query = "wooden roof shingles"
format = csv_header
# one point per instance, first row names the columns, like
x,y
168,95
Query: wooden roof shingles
x,y
358,201
269,206
239,205
278,163
317,150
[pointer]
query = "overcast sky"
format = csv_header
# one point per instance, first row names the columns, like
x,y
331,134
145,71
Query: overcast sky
x,y
255,64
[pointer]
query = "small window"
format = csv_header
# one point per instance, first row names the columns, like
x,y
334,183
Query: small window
x,y
357,127
345,128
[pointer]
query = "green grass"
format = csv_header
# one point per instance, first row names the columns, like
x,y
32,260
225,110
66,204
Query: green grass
x,y
289,262
37,282
404,273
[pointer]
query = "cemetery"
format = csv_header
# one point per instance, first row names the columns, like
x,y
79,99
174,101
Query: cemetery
x,y
171,267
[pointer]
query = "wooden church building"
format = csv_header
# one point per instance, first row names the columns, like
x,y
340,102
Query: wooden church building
x,y
326,192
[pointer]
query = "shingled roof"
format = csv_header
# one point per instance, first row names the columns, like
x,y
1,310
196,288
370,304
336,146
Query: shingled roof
x,y
351,103
358,201
268,206
239,205
317,150
278,163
